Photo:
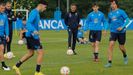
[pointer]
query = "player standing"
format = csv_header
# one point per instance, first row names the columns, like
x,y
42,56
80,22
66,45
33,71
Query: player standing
x,y
33,40
118,19
11,18
96,22
72,20
4,33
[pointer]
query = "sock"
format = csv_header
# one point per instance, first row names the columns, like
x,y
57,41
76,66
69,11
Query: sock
x,y
124,54
3,64
96,55
38,68
18,64
109,61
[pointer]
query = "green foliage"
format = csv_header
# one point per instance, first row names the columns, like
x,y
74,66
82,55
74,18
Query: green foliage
x,y
84,6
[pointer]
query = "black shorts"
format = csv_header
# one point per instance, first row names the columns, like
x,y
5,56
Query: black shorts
x,y
121,37
95,36
23,35
33,44
2,40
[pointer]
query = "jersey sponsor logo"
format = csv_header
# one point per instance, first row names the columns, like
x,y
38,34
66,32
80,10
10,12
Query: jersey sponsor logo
x,y
96,20
114,18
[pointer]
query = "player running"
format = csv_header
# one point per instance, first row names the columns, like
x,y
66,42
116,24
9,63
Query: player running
x,y
96,22
4,34
118,19
32,37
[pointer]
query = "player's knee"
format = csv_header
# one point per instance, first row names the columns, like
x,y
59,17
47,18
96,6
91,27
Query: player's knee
x,y
41,52
111,44
93,45
31,54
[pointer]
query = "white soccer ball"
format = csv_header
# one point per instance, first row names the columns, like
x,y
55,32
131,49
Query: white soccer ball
x,y
9,55
65,70
20,42
69,52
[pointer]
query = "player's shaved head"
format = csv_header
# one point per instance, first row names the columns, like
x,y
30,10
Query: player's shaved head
x,y
42,6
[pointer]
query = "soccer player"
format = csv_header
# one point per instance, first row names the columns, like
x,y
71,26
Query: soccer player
x,y
11,18
96,22
72,20
4,33
80,36
118,19
32,37
23,29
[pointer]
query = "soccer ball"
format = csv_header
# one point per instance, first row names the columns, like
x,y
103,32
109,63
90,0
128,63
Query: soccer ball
x,y
69,52
20,42
65,70
9,55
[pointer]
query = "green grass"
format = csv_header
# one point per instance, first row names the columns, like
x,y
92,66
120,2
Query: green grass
x,y
55,45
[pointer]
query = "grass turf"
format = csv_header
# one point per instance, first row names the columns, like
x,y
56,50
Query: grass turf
x,y
55,45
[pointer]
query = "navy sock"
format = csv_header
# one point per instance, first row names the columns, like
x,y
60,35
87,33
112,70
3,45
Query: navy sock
x,y
96,55
3,64
19,64
124,54
109,61
38,68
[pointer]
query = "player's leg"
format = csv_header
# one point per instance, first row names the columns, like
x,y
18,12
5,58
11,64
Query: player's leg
x,y
10,41
113,38
92,39
69,38
98,35
110,53
96,49
122,40
21,35
40,54
4,66
4,41
29,54
75,32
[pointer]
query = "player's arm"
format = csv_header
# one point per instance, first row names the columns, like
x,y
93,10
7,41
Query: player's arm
x,y
7,29
78,18
86,23
127,20
31,19
66,19
105,23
